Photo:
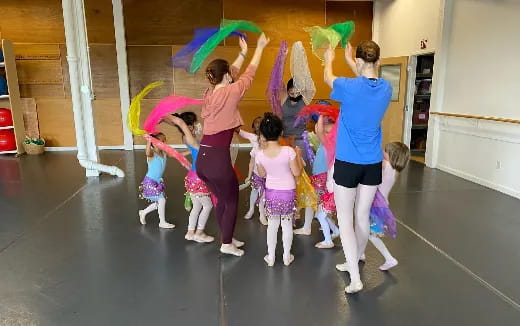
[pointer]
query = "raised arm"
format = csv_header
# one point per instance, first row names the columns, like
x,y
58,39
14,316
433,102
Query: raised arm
x,y
245,80
239,61
319,128
350,60
188,137
149,151
328,75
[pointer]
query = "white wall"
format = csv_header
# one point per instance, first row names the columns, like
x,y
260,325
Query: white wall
x,y
477,69
400,25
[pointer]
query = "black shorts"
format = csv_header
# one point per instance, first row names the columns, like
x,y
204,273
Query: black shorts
x,y
351,175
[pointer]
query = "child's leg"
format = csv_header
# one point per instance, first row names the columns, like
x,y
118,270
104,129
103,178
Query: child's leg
x,y
273,223
162,211
144,212
287,238
307,224
333,227
194,215
322,218
261,208
207,205
252,201
390,261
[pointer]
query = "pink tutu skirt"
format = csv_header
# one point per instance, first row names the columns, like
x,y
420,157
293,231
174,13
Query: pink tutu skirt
x,y
194,185
327,202
319,182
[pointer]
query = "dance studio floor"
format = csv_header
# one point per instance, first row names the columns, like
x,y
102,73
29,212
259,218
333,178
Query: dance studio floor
x,y
72,252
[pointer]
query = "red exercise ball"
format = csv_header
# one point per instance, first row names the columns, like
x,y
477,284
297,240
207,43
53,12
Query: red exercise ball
x,y
6,119
7,140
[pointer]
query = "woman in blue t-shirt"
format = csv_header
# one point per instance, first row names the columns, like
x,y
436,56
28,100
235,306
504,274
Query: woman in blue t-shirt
x,y
359,155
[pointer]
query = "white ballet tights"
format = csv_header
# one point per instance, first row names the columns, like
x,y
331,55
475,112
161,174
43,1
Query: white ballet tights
x,y
252,201
309,215
354,240
273,223
160,206
380,246
200,211
327,225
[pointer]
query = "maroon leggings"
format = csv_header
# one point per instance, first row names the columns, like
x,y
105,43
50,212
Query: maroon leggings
x,y
215,169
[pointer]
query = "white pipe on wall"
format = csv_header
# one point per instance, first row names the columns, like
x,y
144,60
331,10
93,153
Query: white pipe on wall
x,y
76,42
122,70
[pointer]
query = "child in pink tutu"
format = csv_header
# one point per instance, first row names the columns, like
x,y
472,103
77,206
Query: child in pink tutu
x,y
382,221
279,165
152,188
196,189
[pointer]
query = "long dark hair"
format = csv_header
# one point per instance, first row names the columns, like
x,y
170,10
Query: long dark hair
x,y
189,118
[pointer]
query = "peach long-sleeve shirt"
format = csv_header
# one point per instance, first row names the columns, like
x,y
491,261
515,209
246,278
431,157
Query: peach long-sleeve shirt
x,y
220,110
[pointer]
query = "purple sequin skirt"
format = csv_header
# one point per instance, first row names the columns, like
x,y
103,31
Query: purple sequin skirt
x,y
280,203
151,189
382,220
258,183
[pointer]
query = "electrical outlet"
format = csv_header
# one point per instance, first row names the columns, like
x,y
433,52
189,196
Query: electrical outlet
x,y
499,165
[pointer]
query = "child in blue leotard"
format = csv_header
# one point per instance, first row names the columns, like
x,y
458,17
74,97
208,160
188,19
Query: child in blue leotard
x,y
152,187
195,188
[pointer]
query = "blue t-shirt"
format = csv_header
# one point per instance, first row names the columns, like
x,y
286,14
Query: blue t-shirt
x,y
156,167
363,105
320,161
194,154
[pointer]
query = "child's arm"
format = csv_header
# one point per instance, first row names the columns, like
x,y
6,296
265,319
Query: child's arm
x,y
330,179
186,153
261,170
320,130
296,164
188,137
251,168
149,151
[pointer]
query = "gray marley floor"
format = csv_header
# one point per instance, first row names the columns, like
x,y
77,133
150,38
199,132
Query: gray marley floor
x,y
72,252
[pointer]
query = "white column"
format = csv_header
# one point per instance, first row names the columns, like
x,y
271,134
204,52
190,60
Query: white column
x,y
122,70
80,81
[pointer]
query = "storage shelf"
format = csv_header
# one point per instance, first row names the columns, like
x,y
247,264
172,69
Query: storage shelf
x,y
7,128
9,152
420,127
2,97
417,151
423,95
2,64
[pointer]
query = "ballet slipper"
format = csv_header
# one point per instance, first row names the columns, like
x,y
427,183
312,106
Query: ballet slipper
x,y
302,231
230,249
324,245
270,262
249,214
263,220
354,287
288,261
203,238
142,217
237,243
189,237
166,225
388,265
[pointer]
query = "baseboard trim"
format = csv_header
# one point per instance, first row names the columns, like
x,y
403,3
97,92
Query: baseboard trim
x,y
486,183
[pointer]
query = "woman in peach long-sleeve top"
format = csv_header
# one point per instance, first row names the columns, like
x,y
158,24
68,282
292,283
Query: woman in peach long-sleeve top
x,y
221,118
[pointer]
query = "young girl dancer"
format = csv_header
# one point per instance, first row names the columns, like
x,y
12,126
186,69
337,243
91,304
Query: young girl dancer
x,y
257,183
358,158
382,221
279,165
152,187
195,188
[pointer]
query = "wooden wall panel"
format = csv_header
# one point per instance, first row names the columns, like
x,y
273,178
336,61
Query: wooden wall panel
x,y
56,121
37,51
39,91
361,12
160,22
103,63
279,19
100,21
32,21
148,64
109,126
65,71
39,72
